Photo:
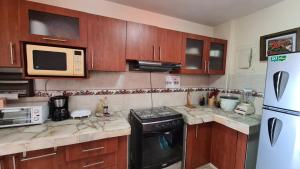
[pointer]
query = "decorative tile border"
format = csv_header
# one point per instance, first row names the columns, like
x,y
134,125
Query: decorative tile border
x,y
49,93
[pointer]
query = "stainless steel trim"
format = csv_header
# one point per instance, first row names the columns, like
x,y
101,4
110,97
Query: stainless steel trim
x,y
14,81
161,121
93,164
150,63
14,162
11,70
93,149
37,157
54,39
11,48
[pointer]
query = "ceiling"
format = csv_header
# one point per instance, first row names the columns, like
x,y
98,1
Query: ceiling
x,y
208,12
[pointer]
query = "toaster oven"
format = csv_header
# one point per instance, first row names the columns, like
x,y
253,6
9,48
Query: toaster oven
x,y
22,114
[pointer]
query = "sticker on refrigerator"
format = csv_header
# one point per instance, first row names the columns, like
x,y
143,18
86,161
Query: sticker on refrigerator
x,y
172,81
279,58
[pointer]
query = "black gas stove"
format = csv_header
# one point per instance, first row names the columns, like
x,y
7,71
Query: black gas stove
x,y
156,138
155,114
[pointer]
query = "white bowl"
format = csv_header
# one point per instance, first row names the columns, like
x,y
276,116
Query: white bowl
x,y
228,103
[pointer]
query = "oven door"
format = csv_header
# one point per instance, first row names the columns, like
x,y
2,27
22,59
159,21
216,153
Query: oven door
x,y
54,61
163,148
15,117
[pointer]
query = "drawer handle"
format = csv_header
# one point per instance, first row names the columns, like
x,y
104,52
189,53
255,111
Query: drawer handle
x,y
92,149
93,164
11,47
37,157
54,39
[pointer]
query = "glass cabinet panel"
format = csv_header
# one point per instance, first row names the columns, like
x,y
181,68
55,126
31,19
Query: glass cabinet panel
x,y
47,24
194,53
216,56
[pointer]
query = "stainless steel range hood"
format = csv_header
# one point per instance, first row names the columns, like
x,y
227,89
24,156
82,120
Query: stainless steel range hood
x,y
152,66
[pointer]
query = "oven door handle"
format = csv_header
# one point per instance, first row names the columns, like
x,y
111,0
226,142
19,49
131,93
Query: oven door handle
x,y
161,132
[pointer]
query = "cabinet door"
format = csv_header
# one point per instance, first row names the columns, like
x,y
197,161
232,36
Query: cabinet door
x,y
195,50
241,151
223,146
141,42
106,43
41,159
170,46
198,145
9,38
217,56
53,25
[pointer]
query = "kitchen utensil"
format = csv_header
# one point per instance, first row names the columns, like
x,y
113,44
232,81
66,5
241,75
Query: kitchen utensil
x,y
228,103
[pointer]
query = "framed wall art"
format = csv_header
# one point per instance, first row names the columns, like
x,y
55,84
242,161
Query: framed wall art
x,y
279,43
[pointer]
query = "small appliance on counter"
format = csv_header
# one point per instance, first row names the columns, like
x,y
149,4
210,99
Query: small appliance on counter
x,y
80,113
246,106
59,108
228,103
22,114
156,139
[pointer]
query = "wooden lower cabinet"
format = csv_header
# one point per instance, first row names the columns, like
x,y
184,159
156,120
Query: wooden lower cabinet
x,y
214,143
101,154
198,149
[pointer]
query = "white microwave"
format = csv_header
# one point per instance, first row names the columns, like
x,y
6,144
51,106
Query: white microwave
x,y
54,61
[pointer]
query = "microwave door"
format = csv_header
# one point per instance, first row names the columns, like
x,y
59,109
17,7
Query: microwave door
x,y
49,61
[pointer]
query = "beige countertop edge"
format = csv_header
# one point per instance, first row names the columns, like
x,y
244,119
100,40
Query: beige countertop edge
x,y
52,142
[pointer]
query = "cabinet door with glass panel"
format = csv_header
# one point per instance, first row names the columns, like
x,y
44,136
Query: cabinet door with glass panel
x,y
194,54
217,56
53,25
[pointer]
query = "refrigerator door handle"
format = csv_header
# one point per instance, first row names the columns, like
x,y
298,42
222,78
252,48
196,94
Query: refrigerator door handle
x,y
280,80
274,128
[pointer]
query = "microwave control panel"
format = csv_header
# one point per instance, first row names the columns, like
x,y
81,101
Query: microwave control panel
x,y
78,63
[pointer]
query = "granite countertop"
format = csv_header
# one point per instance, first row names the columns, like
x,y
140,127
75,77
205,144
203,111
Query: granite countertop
x,y
248,124
55,134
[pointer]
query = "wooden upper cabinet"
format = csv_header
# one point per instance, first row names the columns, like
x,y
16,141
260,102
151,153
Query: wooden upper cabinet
x,y
53,25
9,38
194,54
149,43
141,42
170,45
198,145
217,56
106,43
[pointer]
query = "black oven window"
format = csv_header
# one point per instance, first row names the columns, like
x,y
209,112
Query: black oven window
x,y
45,60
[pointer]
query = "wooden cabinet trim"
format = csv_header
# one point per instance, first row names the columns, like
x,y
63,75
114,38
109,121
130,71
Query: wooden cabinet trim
x,y
219,41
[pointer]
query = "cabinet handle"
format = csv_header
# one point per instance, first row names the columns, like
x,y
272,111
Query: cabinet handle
x,y
196,132
159,52
92,149
14,162
153,52
37,157
11,48
54,39
92,53
93,164
208,67
205,66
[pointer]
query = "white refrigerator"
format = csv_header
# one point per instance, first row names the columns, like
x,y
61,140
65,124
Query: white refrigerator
x,y
279,140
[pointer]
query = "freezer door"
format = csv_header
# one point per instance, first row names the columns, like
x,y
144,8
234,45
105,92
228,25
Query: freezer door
x,y
279,143
282,87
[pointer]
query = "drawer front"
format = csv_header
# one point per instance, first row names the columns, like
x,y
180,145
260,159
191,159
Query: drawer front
x,y
107,161
90,149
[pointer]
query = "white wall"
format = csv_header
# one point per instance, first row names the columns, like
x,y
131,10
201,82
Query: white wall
x,y
119,11
246,32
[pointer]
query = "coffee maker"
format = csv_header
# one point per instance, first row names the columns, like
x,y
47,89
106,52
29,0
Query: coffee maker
x,y
58,106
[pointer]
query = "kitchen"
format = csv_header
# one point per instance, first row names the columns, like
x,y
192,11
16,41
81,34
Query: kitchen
x,y
126,61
